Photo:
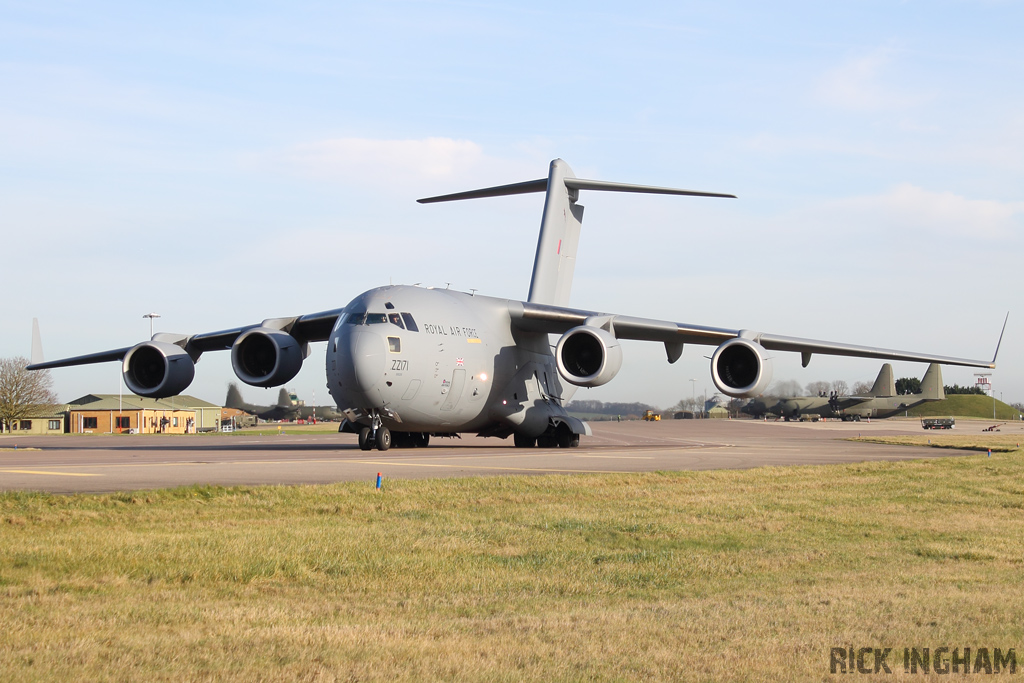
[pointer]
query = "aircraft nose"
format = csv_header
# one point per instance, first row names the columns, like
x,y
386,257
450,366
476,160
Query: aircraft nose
x,y
368,355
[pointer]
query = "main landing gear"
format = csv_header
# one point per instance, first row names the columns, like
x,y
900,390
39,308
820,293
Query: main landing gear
x,y
555,437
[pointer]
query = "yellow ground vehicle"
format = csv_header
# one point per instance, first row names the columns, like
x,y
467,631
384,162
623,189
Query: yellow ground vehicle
x,y
651,416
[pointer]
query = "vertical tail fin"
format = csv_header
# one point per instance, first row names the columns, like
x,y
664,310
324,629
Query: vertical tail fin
x,y
234,398
283,399
884,385
559,238
931,383
37,343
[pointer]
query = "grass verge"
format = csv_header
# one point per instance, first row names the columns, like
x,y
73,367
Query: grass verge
x,y
742,575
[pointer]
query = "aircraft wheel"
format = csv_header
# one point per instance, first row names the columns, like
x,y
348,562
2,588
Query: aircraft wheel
x,y
856,418
574,442
547,441
523,441
422,439
365,439
563,436
383,439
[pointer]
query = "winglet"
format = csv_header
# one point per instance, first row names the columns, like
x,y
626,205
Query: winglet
x,y
1000,342
37,343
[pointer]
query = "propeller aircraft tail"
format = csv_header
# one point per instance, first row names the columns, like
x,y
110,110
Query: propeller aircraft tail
x,y
884,385
931,383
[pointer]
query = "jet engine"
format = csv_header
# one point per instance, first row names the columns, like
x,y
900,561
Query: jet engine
x,y
741,367
158,369
588,356
265,357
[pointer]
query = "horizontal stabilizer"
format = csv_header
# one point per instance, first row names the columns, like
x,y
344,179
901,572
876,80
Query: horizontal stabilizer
x,y
541,185
582,184
529,186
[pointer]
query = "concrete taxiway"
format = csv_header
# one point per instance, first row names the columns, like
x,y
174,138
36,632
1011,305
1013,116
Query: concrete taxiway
x,y
101,463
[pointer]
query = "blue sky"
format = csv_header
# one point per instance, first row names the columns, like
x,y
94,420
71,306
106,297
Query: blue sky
x,y
224,163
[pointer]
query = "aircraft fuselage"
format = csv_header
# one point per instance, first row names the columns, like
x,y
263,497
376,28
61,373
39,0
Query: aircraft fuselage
x,y
441,361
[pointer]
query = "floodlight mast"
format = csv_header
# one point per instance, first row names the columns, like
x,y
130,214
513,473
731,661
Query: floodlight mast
x,y
151,316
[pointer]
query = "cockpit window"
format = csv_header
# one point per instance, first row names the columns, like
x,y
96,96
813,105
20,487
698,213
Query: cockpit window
x,y
376,318
410,324
355,317
395,319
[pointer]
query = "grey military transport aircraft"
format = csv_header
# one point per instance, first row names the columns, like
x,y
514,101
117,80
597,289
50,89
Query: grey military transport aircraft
x,y
284,409
881,402
406,362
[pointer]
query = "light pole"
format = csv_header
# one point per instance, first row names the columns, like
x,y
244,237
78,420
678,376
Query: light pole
x,y
151,316
693,399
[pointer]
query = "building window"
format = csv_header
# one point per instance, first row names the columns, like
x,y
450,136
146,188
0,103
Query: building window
x,y
26,424
124,422
54,425
174,422
88,423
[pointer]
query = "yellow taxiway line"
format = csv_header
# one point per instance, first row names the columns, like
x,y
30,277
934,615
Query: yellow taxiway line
x,y
56,474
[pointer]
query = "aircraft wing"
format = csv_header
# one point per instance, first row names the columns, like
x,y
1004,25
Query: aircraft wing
x,y
305,328
558,320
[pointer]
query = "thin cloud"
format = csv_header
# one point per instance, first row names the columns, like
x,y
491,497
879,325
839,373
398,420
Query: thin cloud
x,y
911,208
858,84
363,160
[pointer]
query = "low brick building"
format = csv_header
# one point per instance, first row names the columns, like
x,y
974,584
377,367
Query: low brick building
x,y
129,414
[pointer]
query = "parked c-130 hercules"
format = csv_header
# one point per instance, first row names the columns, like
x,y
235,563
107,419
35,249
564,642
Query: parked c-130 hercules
x,y
406,362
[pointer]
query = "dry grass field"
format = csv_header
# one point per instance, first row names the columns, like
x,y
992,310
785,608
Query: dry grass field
x,y
718,575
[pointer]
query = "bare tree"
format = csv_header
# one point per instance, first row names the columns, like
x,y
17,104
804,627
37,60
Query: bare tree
x,y
688,404
818,388
784,388
861,388
841,387
23,393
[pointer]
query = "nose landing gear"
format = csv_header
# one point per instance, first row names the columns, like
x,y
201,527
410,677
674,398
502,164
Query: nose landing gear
x,y
378,435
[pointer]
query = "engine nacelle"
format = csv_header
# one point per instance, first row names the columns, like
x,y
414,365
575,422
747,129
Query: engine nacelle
x,y
158,369
588,356
741,367
265,357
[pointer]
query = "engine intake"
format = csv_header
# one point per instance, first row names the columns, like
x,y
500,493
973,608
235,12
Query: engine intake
x,y
158,369
264,357
741,368
588,356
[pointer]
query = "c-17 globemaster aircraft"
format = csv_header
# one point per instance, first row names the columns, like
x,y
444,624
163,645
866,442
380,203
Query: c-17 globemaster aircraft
x,y
881,402
405,362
